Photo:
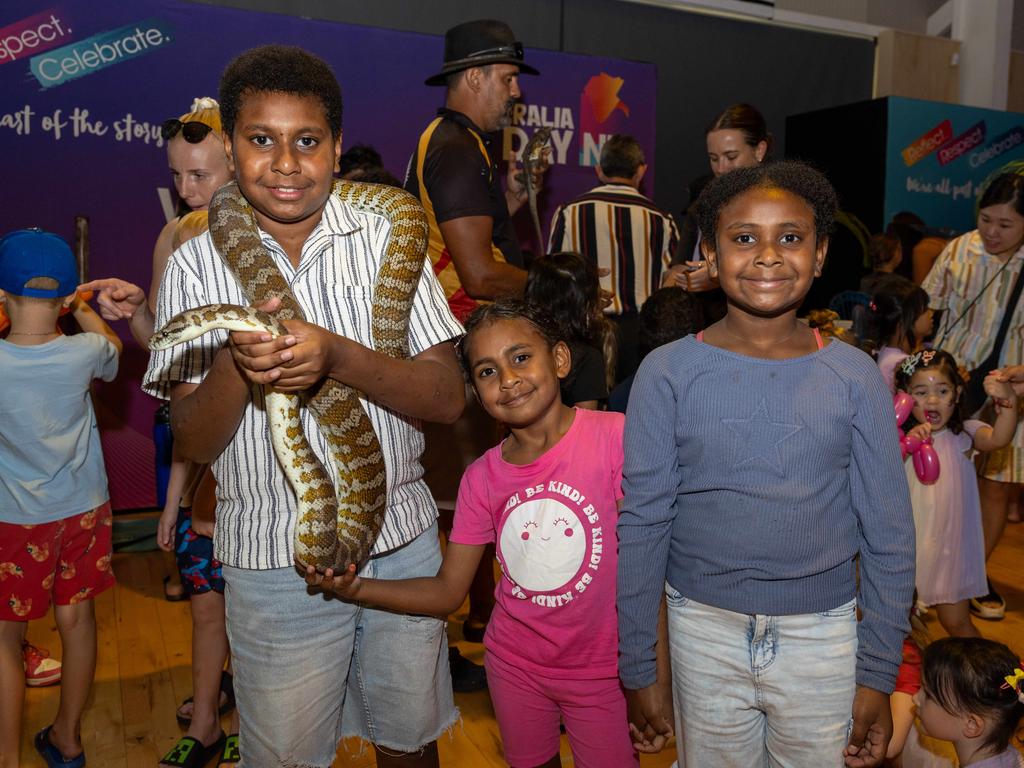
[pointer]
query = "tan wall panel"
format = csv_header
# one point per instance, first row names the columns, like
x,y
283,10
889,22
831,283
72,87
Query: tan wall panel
x,y
916,66
1015,94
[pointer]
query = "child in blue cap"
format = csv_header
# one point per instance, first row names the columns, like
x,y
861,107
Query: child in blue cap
x,y
55,521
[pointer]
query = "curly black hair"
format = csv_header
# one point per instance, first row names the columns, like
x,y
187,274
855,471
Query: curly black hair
x,y
279,69
669,314
945,363
508,309
967,675
792,176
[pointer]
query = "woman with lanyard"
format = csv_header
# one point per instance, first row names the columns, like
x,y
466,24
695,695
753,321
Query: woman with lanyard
x,y
737,138
977,281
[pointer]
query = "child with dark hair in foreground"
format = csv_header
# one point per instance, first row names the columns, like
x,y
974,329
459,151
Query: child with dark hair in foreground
x,y
55,521
760,461
972,694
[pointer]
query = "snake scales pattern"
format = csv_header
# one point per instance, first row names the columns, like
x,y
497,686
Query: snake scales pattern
x,y
335,526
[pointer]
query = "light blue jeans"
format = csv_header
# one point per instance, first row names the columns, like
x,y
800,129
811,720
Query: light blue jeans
x,y
311,670
756,690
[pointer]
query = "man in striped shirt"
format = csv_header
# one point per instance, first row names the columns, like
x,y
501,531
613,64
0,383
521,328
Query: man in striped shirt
x,y
624,234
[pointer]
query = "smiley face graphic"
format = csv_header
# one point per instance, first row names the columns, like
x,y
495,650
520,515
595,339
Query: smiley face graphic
x,y
543,545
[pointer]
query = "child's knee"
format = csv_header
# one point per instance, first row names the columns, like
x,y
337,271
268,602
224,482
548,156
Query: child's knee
x,y
207,608
12,633
75,618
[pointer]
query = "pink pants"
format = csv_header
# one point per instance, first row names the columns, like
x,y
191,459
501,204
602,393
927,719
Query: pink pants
x,y
528,708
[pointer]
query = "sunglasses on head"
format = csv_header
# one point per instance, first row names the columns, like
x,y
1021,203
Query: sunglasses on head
x,y
514,50
193,131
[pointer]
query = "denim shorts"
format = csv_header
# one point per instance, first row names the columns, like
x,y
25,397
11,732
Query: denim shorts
x,y
311,669
761,690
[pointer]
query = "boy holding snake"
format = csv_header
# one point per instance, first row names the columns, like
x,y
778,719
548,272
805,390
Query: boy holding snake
x,y
293,651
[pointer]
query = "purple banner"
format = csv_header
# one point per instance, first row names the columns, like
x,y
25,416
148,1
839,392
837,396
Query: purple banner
x,y
85,85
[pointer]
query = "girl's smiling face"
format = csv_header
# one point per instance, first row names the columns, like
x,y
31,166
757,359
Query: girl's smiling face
x,y
935,397
766,252
516,373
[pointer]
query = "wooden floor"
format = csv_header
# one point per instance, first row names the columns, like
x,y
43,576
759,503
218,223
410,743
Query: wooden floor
x,y
144,657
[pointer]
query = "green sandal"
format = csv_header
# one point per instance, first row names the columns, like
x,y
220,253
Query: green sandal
x,y
230,756
190,753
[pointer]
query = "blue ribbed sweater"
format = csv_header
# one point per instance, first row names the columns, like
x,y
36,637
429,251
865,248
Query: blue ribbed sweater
x,y
751,485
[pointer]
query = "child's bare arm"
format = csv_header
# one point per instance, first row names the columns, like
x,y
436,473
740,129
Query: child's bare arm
x,y
93,323
437,595
1000,434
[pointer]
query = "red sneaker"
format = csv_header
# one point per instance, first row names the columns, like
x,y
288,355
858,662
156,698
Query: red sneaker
x,y
40,669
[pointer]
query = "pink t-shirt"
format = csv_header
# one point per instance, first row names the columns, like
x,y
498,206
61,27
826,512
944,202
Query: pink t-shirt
x,y
553,522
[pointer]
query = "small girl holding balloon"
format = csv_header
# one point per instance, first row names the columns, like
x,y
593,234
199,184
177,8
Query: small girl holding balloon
x,y
947,512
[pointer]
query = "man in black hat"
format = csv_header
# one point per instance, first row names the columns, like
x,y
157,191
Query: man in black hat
x,y
473,248
454,173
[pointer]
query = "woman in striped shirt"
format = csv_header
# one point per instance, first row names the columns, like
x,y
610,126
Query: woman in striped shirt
x,y
973,281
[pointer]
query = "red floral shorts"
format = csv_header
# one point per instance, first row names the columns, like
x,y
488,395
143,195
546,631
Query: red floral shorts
x,y
66,561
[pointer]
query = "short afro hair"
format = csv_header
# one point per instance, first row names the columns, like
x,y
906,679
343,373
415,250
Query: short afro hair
x,y
279,69
792,176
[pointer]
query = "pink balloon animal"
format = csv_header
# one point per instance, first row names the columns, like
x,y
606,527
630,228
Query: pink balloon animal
x,y
926,460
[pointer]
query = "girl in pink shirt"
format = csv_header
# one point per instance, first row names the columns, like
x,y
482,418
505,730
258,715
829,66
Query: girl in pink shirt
x,y
547,496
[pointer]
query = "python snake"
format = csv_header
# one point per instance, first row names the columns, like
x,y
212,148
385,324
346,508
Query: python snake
x,y
335,526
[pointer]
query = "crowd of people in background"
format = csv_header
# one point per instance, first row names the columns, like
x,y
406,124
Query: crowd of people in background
x,y
684,457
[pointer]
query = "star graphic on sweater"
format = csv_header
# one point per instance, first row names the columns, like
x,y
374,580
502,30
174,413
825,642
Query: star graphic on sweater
x,y
760,438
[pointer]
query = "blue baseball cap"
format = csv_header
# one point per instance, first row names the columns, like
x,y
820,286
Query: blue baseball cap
x,y
29,253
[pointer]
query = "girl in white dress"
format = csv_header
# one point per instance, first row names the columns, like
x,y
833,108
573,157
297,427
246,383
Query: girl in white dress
x,y
947,514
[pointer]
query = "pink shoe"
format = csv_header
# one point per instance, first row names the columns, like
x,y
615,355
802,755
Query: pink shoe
x,y
40,669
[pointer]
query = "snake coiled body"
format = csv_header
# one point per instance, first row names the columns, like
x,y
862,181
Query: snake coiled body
x,y
335,526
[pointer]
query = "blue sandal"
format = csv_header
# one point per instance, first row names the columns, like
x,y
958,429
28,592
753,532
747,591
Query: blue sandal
x,y
53,756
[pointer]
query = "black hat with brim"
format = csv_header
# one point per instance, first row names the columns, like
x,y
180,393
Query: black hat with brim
x,y
477,44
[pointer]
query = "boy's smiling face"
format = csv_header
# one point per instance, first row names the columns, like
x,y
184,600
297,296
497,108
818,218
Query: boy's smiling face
x,y
284,157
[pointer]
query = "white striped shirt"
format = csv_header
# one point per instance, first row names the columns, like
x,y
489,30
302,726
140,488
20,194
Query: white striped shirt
x,y
333,283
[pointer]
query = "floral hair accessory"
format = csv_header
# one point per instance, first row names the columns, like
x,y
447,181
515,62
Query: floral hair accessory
x,y
1015,682
910,362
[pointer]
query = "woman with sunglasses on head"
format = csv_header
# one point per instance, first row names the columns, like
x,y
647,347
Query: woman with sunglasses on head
x,y
199,167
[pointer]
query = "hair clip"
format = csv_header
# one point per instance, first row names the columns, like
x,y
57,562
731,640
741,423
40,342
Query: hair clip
x,y
909,364
926,356
1015,682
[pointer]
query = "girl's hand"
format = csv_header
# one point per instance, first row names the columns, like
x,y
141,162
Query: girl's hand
x,y
649,713
1012,375
872,729
165,528
922,432
345,586
1000,390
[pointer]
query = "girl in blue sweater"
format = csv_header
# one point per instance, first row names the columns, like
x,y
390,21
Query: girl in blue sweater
x,y
760,464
